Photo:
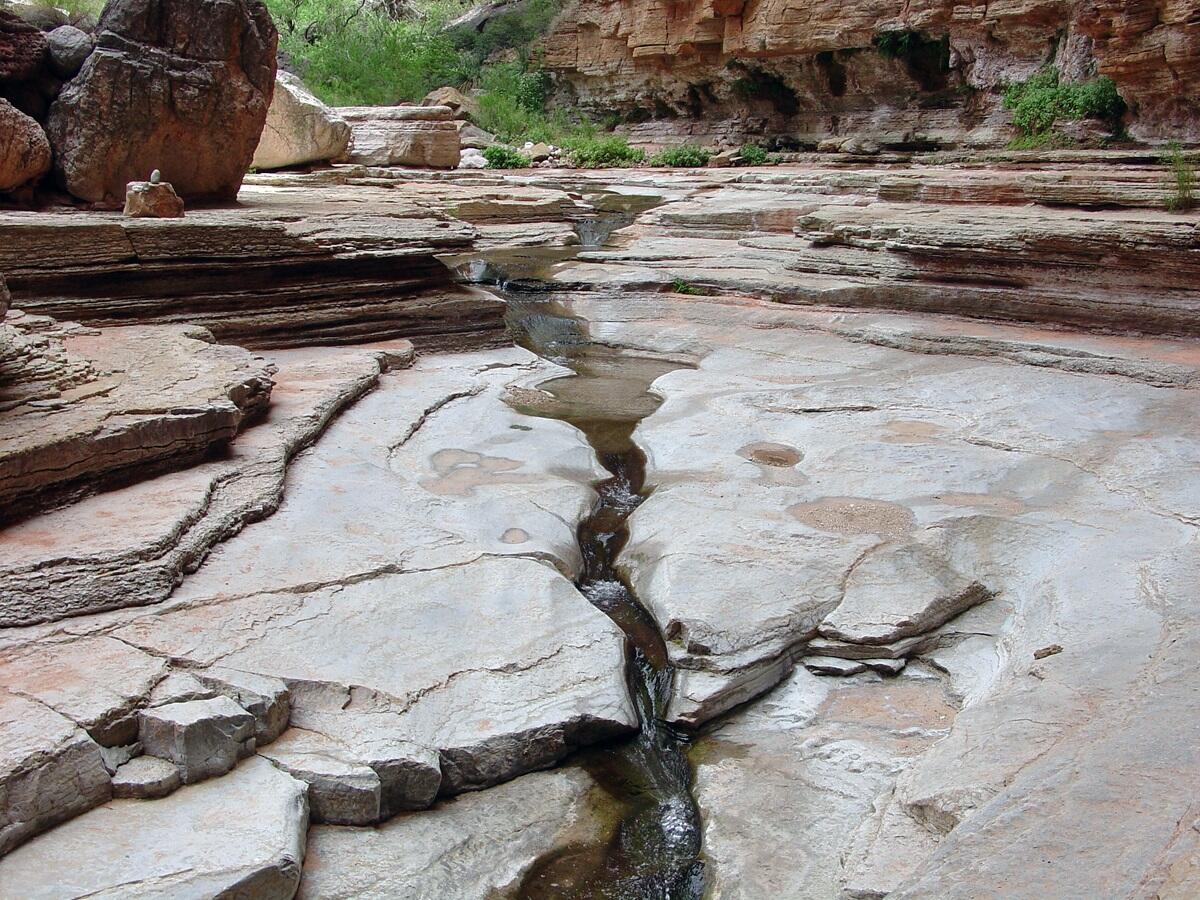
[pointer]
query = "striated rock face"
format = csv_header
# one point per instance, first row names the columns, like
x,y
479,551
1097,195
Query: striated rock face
x,y
288,268
300,128
809,69
24,149
179,86
423,136
91,406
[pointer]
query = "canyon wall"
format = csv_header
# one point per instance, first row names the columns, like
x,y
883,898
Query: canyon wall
x,y
807,71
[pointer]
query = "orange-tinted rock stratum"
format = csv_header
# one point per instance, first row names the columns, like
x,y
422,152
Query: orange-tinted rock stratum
x,y
812,69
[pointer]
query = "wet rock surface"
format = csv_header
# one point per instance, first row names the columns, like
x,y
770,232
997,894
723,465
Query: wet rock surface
x,y
924,581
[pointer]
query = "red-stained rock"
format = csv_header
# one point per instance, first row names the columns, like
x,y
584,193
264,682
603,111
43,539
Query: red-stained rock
x,y
23,48
179,86
726,69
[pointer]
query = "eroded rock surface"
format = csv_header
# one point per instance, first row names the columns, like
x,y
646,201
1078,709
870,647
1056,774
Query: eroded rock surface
x,y
422,136
241,835
1044,485
89,405
24,149
472,846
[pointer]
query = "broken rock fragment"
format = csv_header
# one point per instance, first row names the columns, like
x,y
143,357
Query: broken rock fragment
x,y
897,592
202,737
238,836
50,770
146,778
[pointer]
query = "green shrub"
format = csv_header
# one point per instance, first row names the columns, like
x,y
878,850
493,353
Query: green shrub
x,y
679,286
516,29
612,151
897,44
1182,180
1042,140
753,155
501,157
1041,101
685,156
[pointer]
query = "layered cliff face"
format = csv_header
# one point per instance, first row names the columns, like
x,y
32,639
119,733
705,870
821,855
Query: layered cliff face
x,y
920,73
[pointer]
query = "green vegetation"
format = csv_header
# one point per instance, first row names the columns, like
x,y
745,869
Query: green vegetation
x,y
898,44
352,54
1040,102
753,155
1182,179
685,156
679,286
75,9
501,157
1043,140
609,151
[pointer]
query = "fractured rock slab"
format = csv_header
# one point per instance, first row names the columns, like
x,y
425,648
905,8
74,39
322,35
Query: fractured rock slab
x,y
130,546
96,682
299,129
241,835
402,136
202,737
154,395
50,770
899,591
146,778
433,657
476,845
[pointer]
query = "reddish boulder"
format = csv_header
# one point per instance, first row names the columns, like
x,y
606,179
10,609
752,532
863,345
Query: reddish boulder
x,y
24,150
23,48
177,85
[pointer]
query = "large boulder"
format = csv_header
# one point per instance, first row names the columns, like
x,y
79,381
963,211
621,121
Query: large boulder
x,y
177,85
425,136
23,48
69,49
463,107
24,150
300,128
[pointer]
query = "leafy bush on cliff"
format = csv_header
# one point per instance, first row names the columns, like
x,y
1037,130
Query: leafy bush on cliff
x,y
685,156
500,157
1182,180
608,152
1041,101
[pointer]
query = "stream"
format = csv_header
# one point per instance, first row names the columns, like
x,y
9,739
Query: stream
x,y
655,848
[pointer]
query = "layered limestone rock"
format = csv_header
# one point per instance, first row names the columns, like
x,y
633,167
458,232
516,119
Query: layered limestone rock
x,y
860,237
299,128
492,664
90,406
242,835
131,546
152,96
809,70
421,136
288,268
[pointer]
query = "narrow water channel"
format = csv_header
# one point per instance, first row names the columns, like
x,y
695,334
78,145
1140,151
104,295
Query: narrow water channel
x,y
655,849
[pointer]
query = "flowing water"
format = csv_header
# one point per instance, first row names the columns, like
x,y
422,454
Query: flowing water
x,y
654,852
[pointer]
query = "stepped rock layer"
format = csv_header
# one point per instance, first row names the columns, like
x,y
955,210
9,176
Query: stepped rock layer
x,y
286,269
88,406
807,70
